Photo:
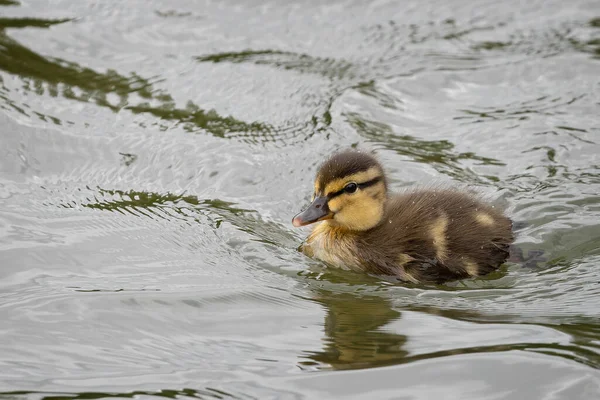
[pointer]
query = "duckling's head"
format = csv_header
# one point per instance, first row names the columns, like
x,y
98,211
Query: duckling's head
x,y
350,193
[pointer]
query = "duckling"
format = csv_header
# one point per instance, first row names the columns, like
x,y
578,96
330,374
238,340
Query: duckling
x,y
422,235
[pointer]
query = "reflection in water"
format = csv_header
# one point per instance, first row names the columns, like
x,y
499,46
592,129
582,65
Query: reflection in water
x,y
208,393
303,63
437,153
544,105
554,42
353,332
356,337
187,208
56,76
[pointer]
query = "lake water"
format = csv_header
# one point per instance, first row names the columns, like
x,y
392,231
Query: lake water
x,y
153,153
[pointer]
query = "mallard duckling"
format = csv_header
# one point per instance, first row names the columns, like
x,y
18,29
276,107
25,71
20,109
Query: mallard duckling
x,y
418,236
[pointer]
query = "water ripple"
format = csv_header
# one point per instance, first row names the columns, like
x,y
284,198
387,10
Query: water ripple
x,y
152,155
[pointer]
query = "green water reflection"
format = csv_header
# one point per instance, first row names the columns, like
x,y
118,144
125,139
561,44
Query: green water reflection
x,y
55,76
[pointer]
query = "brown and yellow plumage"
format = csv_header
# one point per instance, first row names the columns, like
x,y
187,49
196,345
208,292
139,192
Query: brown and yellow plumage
x,y
417,236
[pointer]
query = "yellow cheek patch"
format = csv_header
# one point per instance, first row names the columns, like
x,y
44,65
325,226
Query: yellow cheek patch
x,y
484,219
335,204
357,212
338,184
438,234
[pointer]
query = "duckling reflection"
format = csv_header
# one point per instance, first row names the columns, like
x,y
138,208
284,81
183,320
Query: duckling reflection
x,y
353,332
417,236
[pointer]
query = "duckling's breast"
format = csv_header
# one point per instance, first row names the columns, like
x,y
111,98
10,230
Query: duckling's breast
x,y
333,246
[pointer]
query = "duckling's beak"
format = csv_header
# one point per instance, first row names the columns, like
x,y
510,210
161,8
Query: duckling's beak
x,y
317,211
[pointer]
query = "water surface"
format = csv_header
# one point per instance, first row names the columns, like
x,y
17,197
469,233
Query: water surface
x,y
152,154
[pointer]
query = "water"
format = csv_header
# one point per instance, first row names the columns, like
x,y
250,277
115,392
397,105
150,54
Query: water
x,y
152,154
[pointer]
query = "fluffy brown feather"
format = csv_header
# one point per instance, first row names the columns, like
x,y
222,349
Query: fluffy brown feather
x,y
420,235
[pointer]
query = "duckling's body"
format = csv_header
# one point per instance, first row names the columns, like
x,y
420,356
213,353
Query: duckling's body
x,y
423,236
420,235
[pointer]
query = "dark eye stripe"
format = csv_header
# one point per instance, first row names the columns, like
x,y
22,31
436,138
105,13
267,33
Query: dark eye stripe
x,y
369,183
360,185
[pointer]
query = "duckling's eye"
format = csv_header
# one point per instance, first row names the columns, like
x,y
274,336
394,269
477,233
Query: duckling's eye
x,y
351,187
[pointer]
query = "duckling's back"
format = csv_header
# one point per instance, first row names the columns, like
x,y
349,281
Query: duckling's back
x,y
436,235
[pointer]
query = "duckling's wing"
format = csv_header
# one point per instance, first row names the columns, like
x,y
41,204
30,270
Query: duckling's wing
x,y
438,236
